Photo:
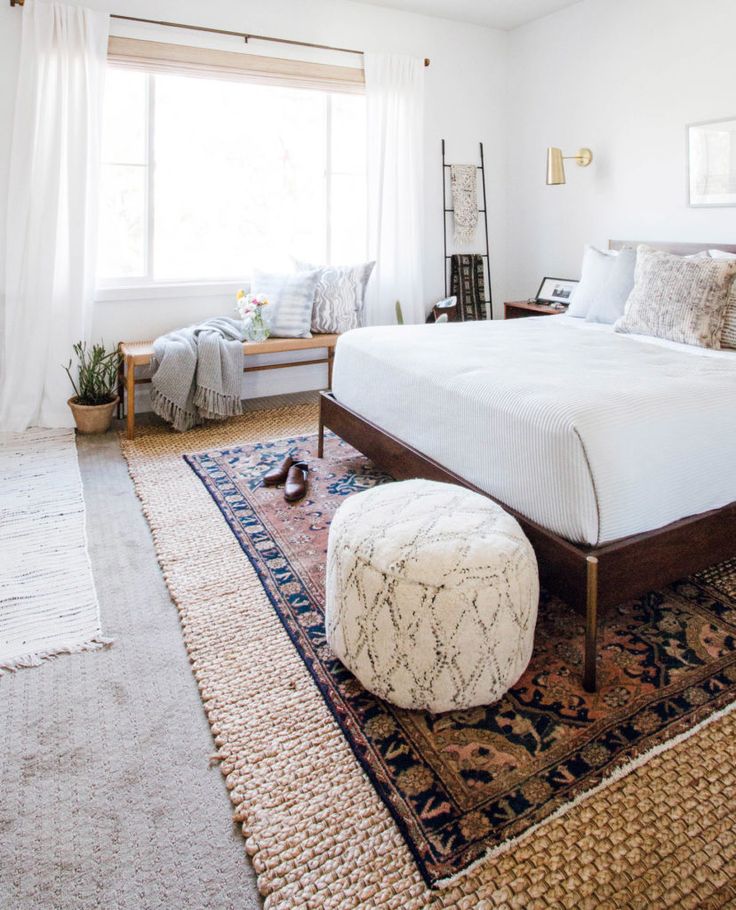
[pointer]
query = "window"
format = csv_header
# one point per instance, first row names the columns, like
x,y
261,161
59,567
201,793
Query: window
x,y
204,179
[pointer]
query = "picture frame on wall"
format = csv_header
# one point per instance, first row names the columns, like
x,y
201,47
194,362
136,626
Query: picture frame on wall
x,y
711,156
556,291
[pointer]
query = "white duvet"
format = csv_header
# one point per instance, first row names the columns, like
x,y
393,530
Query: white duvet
x,y
592,434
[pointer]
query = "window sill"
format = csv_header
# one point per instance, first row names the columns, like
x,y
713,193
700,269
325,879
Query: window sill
x,y
167,291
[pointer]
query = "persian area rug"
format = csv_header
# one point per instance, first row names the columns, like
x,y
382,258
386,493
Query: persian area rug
x,y
348,802
48,602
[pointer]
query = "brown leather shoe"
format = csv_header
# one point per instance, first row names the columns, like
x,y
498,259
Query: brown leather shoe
x,y
278,474
295,487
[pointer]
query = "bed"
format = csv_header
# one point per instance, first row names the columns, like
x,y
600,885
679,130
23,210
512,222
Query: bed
x,y
615,452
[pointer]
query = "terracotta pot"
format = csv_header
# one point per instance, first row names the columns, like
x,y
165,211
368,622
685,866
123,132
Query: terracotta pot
x,y
93,418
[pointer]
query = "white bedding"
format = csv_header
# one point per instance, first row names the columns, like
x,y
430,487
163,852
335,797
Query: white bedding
x,y
592,434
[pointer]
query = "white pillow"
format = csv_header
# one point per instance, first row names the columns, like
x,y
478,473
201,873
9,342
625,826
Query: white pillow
x,y
610,302
291,298
594,274
728,335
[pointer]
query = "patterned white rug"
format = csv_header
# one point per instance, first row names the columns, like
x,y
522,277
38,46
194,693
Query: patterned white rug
x,y
48,603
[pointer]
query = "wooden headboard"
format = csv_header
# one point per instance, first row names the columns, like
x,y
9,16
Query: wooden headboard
x,y
679,249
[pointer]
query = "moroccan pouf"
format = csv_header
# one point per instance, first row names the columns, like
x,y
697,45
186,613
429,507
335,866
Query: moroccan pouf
x,y
431,595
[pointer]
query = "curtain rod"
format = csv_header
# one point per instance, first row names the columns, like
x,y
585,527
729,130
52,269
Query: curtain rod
x,y
246,36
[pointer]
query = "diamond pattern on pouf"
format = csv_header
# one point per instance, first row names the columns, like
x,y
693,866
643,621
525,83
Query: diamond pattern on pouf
x,y
431,595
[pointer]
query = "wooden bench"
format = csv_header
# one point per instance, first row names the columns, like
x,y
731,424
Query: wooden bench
x,y
139,353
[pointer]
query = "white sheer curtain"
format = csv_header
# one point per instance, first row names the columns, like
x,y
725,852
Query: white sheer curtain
x,y
395,96
52,199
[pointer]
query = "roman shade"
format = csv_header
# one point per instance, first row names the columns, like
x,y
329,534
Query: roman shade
x,y
157,56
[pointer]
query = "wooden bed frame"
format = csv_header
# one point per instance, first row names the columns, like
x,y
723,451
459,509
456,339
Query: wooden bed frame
x,y
590,579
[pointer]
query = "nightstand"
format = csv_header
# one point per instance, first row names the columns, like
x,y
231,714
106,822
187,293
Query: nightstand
x,y
518,309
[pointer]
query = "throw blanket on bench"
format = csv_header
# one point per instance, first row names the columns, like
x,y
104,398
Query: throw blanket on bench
x,y
197,373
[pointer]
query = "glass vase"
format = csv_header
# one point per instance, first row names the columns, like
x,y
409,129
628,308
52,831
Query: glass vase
x,y
256,328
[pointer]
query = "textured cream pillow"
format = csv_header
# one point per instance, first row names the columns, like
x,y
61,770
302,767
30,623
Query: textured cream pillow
x,y
728,335
679,299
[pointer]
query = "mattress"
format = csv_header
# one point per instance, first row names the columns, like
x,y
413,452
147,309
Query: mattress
x,y
592,434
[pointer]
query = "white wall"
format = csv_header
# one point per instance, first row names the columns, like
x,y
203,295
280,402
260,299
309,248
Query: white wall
x,y
623,78
465,104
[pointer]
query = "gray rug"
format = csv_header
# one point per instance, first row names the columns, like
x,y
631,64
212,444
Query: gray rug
x,y
106,794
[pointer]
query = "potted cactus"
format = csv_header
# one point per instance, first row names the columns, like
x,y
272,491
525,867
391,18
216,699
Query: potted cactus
x,y
95,388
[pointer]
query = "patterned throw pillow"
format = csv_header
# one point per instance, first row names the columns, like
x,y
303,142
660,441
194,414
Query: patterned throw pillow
x,y
679,299
291,298
340,296
728,335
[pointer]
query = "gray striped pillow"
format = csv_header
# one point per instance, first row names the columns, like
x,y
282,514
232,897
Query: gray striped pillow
x,y
291,298
340,296
677,298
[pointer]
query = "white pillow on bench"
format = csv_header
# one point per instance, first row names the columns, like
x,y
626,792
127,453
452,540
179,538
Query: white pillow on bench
x,y
291,298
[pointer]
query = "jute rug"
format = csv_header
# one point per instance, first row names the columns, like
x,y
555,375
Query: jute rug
x,y
321,795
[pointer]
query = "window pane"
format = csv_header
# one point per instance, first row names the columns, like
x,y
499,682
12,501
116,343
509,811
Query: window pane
x,y
124,119
348,134
349,218
239,177
122,242
349,191
123,178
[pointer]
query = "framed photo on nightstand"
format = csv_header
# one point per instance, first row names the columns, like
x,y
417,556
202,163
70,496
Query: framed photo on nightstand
x,y
557,291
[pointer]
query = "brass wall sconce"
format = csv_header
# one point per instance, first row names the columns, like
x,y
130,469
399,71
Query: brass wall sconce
x,y
556,167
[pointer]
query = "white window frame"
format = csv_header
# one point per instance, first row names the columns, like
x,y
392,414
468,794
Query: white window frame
x,y
145,287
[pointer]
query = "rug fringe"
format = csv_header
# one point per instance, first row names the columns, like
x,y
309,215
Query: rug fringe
x,y
612,778
25,661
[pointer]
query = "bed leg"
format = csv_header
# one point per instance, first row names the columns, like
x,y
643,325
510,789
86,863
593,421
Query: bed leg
x,y
591,626
321,436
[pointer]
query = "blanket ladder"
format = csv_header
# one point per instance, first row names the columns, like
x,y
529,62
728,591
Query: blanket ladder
x,y
488,296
